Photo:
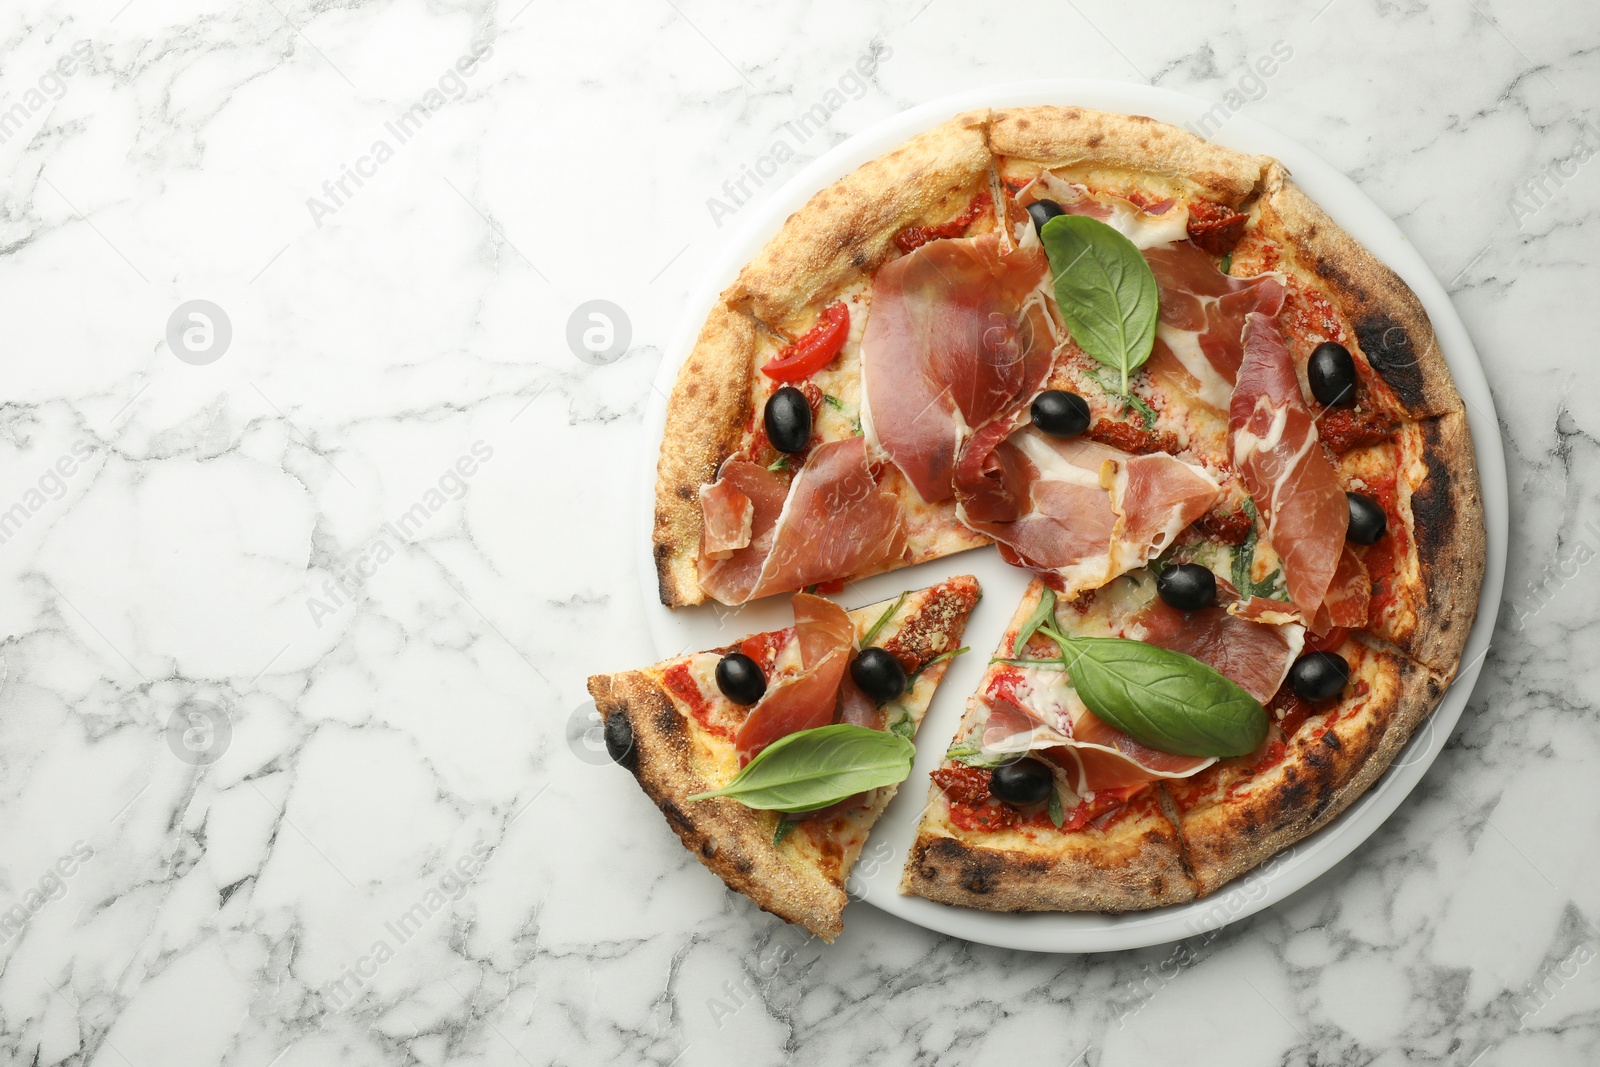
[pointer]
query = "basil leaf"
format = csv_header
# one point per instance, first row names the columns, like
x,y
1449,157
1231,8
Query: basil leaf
x,y
784,828
903,726
1227,263
1147,414
1046,664
1045,611
811,769
779,464
1105,290
883,620
833,402
1057,816
1164,699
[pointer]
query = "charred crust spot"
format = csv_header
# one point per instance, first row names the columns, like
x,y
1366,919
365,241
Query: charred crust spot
x,y
858,261
1389,348
1432,512
678,818
1331,740
1094,140
669,723
691,388
683,492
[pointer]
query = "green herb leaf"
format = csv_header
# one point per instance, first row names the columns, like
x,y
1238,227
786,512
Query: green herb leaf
x,y
941,657
1227,263
973,755
903,727
779,464
883,620
1164,699
1046,664
1133,401
784,828
1044,612
833,402
1105,290
1057,816
811,769
1244,555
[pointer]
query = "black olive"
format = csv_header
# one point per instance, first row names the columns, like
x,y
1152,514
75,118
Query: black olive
x,y
879,674
740,678
1042,211
788,420
1060,413
1318,675
1367,520
619,739
1332,374
1026,781
1188,586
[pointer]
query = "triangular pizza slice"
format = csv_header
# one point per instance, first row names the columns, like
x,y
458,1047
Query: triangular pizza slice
x,y
775,715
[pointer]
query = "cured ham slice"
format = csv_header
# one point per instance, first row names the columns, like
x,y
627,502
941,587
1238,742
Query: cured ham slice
x,y
1349,596
1038,711
1080,513
1202,315
833,520
729,515
1276,452
960,337
1254,655
807,699
1147,227
728,571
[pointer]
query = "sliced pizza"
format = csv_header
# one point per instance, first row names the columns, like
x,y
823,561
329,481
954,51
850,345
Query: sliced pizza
x,y
803,734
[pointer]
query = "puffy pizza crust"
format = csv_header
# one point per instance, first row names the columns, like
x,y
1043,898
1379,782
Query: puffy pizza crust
x,y
1321,774
673,758
1075,138
846,232
1392,330
706,415
1137,863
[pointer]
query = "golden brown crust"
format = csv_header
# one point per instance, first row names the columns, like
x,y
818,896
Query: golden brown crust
x,y
734,841
1452,546
705,417
1131,868
1322,773
1074,137
1392,331
846,232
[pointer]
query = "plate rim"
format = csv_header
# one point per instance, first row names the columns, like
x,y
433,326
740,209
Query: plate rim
x,y
1303,862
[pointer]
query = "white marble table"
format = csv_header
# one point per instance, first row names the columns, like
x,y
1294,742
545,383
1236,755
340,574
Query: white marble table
x,y
295,626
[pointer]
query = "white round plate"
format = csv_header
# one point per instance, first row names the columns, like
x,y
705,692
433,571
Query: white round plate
x,y
712,625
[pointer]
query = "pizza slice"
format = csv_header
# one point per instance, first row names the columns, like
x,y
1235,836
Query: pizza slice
x,y
1022,816
776,721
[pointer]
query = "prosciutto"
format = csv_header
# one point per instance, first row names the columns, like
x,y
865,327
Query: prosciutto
x,y
959,341
1276,452
1253,653
807,699
1039,711
1202,316
1349,596
1147,227
1080,513
833,520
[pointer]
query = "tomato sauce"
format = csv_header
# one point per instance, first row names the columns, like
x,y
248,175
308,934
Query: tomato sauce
x,y
912,238
680,682
1343,429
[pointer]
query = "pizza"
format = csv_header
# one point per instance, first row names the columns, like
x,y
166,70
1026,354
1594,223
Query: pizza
x,y
687,726
1217,432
